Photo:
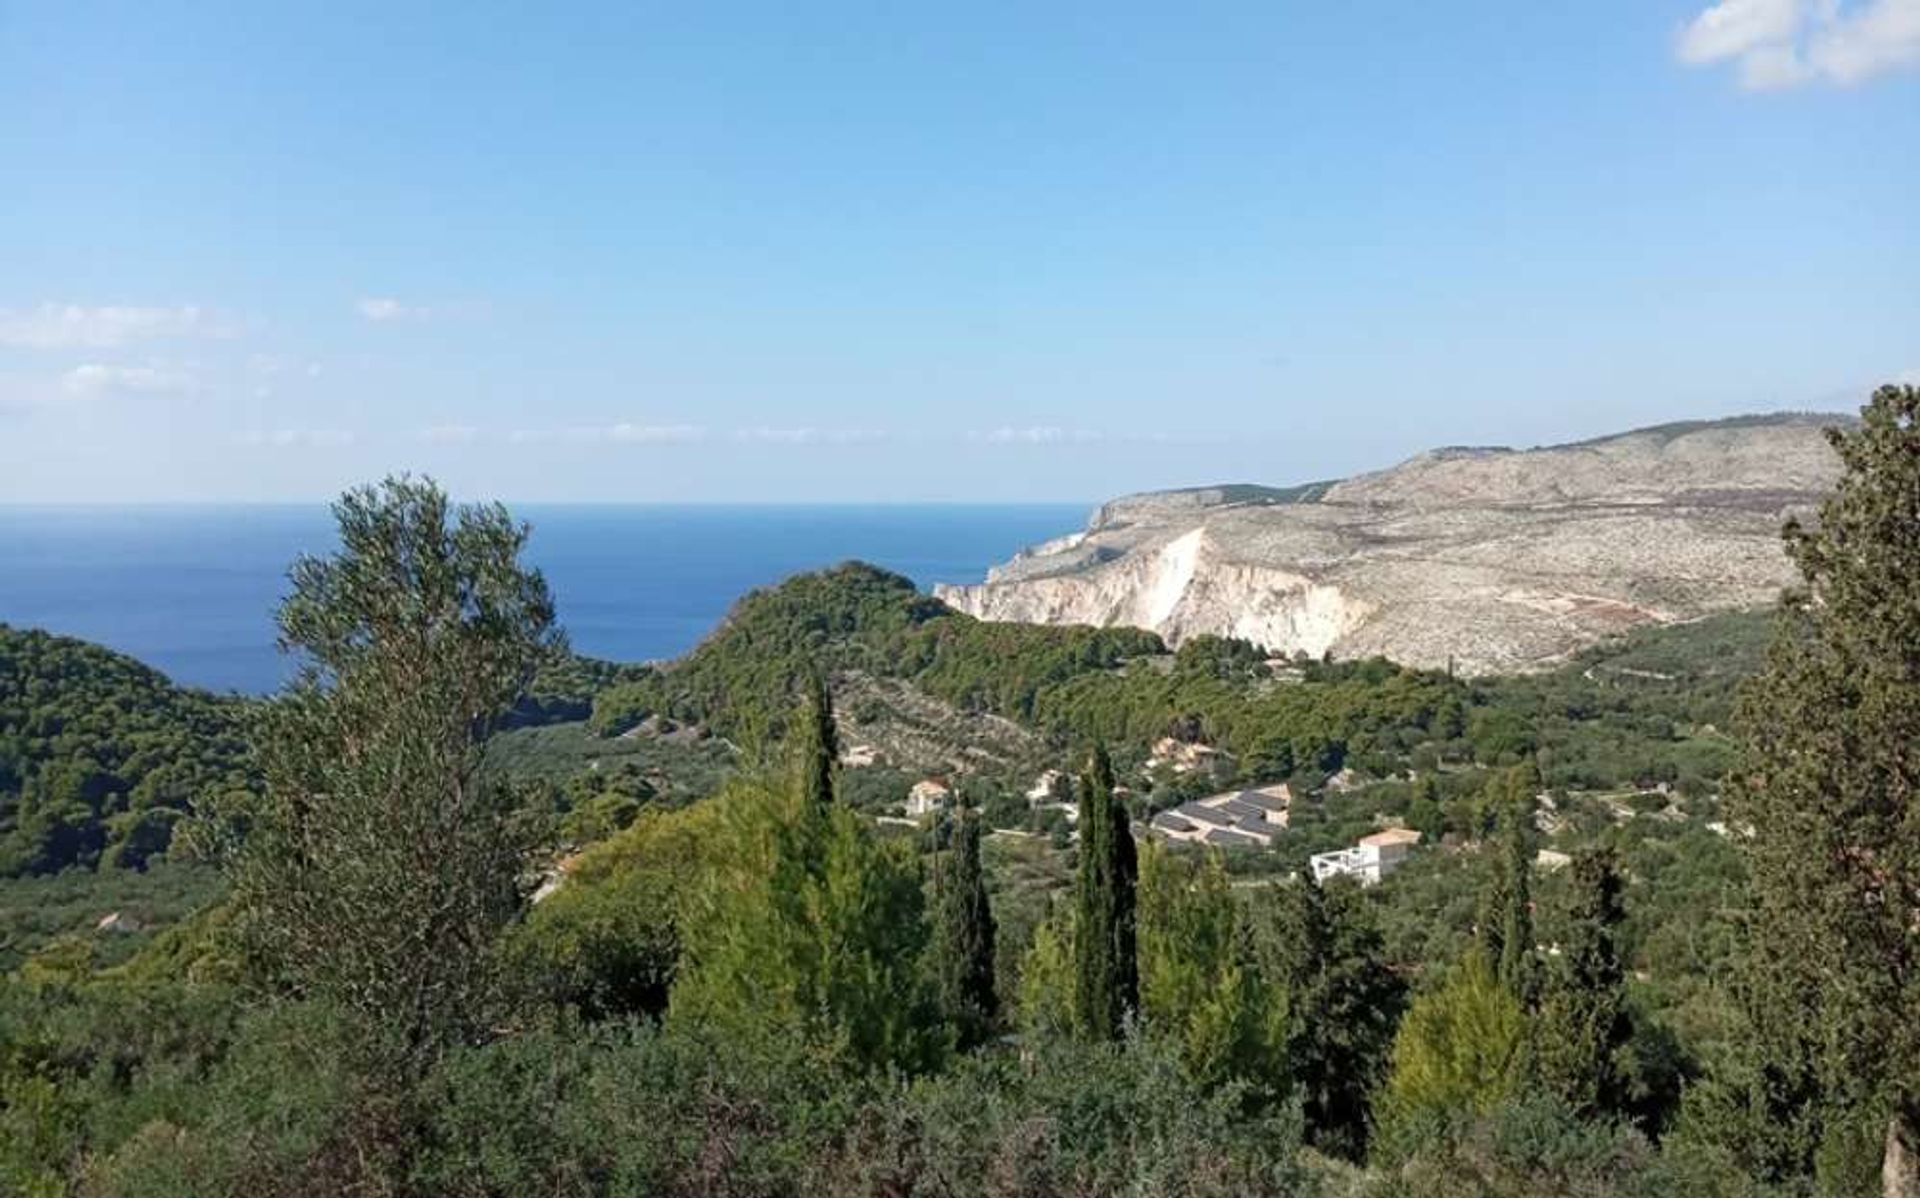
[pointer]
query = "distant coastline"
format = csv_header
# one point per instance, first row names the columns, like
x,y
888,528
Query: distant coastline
x,y
190,588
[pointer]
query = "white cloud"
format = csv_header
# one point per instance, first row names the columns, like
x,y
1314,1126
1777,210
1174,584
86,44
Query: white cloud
x,y
1037,435
656,434
75,326
1878,37
297,438
450,434
636,434
384,309
98,379
1783,43
763,435
1735,27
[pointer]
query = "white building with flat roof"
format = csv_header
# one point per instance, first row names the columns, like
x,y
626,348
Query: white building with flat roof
x,y
1373,858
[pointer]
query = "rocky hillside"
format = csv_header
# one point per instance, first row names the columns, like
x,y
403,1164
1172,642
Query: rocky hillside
x,y
1490,558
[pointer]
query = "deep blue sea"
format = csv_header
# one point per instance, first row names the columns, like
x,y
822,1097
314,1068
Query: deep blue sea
x,y
191,590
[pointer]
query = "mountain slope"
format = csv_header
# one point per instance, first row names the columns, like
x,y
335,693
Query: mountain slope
x,y
1489,559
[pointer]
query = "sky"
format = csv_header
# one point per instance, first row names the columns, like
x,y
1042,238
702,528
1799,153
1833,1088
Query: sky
x,y
779,252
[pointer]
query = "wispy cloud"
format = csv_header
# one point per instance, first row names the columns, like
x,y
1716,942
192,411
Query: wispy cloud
x,y
1040,434
1784,43
297,438
623,433
270,366
100,379
384,309
76,326
807,435
450,434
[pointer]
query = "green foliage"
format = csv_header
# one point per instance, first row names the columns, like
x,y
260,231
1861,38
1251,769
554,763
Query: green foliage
x,y
382,862
629,1110
1652,706
1455,1055
35,911
1106,968
1829,786
1584,1026
1200,985
811,929
816,749
1320,948
1047,978
1506,913
963,937
563,688
99,755
607,940
1530,1146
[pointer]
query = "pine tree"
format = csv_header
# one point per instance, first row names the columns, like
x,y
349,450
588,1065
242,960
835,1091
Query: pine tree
x,y
1456,1053
1106,982
1831,787
1584,1023
964,936
814,929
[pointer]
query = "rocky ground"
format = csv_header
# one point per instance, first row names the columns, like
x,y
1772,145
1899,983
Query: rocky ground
x,y
1485,559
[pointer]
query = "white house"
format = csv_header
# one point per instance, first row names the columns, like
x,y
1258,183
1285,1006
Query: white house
x,y
928,796
1373,858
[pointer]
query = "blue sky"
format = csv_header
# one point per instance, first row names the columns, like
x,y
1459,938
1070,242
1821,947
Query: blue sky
x,y
923,252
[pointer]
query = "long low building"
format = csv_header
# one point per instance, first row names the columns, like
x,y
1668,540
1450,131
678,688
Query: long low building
x,y
1231,819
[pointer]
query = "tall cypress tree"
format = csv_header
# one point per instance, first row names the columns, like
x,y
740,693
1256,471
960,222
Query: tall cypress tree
x,y
1831,788
963,936
1506,906
1107,979
817,749
1584,1022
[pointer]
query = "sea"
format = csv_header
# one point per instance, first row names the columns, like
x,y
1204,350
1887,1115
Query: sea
x,y
191,590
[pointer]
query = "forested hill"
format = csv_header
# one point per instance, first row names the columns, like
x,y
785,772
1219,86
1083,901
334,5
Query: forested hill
x,y
100,755
1646,708
859,617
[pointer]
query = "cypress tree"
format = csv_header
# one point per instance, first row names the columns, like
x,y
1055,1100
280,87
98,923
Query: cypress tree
x,y
1107,980
817,750
964,936
1831,788
1584,1022
1506,907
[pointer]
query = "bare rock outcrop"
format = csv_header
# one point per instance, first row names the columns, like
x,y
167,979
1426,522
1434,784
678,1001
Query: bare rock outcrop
x,y
1489,559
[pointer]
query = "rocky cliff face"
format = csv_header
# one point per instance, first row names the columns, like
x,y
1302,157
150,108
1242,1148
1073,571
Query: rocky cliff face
x,y
1492,559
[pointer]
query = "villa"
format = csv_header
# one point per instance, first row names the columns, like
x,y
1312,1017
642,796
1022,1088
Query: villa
x,y
1373,858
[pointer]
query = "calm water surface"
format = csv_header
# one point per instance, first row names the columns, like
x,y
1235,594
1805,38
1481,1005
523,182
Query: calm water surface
x,y
191,590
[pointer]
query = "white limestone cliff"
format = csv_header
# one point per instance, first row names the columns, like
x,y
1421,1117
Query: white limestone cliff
x,y
1486,559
